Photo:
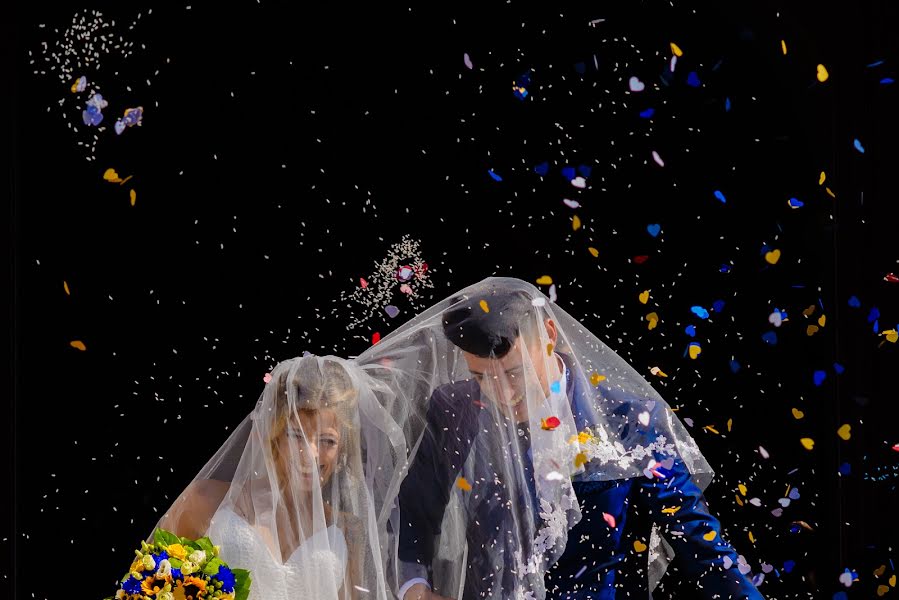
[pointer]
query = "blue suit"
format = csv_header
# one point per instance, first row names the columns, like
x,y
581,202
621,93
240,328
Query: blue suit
x,y
599,562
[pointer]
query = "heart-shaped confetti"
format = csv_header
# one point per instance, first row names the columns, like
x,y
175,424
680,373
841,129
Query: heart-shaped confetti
x,y
777,512
693,79
636,85
694,350
710,535
267,378
545,280
775,318
794,494
785,502
639,546
772,257
653,229
362,283
822,73
846,578
795,203
811,330
550,423
819,377
755,501
644,297
845,432
653,319
111,176
571,203
797,414
807,443
375,338
643,418
727,562
579,182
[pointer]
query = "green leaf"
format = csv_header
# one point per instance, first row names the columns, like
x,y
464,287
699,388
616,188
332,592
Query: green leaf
x,y
212,567
161,536
205,544
176,562
242,581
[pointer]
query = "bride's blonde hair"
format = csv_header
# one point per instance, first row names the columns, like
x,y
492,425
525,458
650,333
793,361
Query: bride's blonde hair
x,y
317,384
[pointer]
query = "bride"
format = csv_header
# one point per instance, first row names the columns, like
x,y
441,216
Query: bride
x,y
302,492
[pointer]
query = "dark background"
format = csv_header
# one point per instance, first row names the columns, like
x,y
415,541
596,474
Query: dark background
x,y
286,146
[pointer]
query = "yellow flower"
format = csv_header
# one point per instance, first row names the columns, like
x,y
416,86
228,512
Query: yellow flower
x,y
178,551
137,566
148,586
195,583
584,437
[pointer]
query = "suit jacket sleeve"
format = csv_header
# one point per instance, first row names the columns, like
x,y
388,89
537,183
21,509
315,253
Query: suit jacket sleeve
x,y
425,492
687,529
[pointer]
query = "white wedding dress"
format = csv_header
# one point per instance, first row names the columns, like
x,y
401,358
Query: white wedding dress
x,y
315,570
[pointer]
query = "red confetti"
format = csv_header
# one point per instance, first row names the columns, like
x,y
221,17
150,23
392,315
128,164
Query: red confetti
x,y
363,283
641,259
550,423
375,338
891,278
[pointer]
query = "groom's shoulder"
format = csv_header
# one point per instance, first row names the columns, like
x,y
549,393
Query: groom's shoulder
x,y
455,400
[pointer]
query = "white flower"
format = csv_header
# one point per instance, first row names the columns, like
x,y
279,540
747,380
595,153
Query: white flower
x,y
165,569
148,562
165,596
197,557
188,567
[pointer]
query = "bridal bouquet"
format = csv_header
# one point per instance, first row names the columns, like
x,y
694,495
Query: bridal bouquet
x,y
175,568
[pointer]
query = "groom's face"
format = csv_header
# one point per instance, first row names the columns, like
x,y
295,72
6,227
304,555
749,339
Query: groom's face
x,y
505,381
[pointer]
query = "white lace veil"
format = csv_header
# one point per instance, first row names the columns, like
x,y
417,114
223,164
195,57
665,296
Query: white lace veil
x,y
494,445
314,470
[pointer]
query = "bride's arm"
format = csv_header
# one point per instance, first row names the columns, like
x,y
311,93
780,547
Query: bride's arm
x,y
190,514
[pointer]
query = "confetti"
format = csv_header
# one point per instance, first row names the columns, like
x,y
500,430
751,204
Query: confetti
x,y
550,424
575,223
467,61
858,145
609,519
65,286
783,47
657,159
845,432
78,345
772,257
639,546
484,307
797,414
593,251
720,196
822,73
635,85
596,379
643,297
807,443
676,50
653,319
463,484
545,280
653,230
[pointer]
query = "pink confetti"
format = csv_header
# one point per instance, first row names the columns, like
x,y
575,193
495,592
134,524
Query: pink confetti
x,y
609,519
467,60
658,159
267,377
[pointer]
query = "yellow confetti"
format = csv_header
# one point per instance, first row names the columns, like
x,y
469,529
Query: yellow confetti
x,y
821,178
811,330
111,176
751,537
580,460
576,223
739,501
730,424
773,256
549,349
133,195
783,46
593,251
694,351
709,536
78,344
658,372
670,510
809,311
845,431
675,49
892,335
882,589
808,443
821,320
829,192
545,280
644,297
639,546
712,429
484,307
122,182
65,286
893,580
463,484
742,489
584,437
797,414
596,378
653,319
822,73
879,571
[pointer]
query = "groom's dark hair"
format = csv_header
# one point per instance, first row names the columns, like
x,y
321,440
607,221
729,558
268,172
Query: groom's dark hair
x,y
489,333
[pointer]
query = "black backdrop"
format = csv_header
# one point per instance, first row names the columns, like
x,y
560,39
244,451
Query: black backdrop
x,y
285,148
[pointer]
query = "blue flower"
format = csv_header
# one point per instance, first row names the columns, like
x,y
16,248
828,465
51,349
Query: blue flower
x,y
227,578
176,574
131,585
160,557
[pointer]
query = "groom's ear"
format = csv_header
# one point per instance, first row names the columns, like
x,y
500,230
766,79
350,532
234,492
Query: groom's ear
x,y
551,332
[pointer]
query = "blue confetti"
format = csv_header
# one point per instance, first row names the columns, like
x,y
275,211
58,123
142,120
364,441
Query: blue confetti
x,y
887,81
820,376
727,105
647,114
874,314
693,79
580,68
654,229
789,565
568,173
858,145
876,63
838,368
720,196
724,269
845,469
796,203
542,169
718,306
584,170
556,387
690,330
494,175
840,596
734,366
699,312
770,337
854,302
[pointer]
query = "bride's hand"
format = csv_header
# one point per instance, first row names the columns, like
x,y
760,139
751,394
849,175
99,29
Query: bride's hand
x,y
420,591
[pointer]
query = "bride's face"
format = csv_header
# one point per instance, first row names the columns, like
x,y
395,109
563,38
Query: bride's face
x,y
313,441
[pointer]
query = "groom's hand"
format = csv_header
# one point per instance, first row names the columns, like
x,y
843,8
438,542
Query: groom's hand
x,y
420,591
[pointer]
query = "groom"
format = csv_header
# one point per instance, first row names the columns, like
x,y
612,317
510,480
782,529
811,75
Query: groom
x,y
594,565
